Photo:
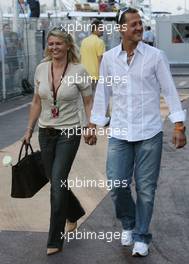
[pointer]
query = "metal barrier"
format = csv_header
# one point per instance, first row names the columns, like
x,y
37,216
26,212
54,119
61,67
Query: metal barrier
x,y
22,50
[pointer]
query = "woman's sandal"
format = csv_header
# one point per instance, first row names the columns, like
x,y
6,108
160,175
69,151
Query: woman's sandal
x,y
52,251
70,226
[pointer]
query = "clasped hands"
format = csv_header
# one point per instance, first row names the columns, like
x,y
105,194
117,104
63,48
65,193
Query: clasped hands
x,y
179,139
89,134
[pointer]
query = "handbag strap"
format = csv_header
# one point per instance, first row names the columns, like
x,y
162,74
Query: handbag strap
x,y
28,145
26,149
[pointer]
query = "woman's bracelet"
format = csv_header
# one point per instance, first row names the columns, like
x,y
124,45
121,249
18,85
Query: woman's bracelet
x,y
30,129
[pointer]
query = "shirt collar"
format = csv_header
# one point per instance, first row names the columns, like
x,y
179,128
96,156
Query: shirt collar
x,y
94,35
140,47
119,49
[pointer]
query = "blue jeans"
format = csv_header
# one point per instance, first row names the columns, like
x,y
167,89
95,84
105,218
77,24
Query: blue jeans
x,y
141,159
58,153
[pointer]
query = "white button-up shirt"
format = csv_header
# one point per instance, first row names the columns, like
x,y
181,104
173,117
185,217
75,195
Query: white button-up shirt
x,y
135,91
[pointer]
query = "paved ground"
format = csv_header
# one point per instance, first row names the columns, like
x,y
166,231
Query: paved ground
x,y
13,124
24,223
169,225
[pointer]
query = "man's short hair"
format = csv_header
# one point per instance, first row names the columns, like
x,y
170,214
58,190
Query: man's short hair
x,y
95,24
120,18
148,28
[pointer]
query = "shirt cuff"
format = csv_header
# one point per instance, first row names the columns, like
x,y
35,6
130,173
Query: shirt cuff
x,y
99,120
179,116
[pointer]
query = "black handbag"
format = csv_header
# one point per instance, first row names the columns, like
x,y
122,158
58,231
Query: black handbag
x,y
28,175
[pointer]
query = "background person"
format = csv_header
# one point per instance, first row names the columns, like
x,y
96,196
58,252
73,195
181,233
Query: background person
x,y
55,105
148,36
12,44
92,49
34,8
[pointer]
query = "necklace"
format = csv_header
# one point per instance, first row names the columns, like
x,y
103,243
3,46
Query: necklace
x,y
55,107
129,57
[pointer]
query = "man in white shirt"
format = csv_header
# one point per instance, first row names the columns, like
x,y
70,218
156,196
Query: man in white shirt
x,y
135,143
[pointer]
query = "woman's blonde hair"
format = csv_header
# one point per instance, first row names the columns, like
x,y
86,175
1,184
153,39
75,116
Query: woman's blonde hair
x,y
65,36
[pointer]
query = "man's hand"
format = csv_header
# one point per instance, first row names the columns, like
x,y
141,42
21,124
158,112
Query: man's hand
x,y
92,140
89,134
179,138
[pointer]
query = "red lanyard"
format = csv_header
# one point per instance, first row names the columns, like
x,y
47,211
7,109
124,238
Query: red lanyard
x,y
53,88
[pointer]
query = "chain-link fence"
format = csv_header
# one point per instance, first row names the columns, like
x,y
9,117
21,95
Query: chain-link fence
x,y
21,50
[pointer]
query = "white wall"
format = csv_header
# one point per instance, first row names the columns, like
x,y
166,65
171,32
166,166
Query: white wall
x,y
176,52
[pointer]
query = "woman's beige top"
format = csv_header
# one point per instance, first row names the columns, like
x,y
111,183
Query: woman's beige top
x,y
75,84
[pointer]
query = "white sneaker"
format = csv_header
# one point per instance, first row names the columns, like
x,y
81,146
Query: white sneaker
x,y
140,249
126,237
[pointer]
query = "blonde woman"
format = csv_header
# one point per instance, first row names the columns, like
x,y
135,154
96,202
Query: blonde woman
x,y
57,91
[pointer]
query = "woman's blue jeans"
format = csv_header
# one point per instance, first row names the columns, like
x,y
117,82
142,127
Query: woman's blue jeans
x,y
58,153
141,159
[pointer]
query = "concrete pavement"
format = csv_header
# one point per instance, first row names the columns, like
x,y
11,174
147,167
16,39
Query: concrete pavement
x,y
169,224
24,223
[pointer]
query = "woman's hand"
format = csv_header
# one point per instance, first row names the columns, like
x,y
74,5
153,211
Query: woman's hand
x,y
27,135
179,139
89,134
91,140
